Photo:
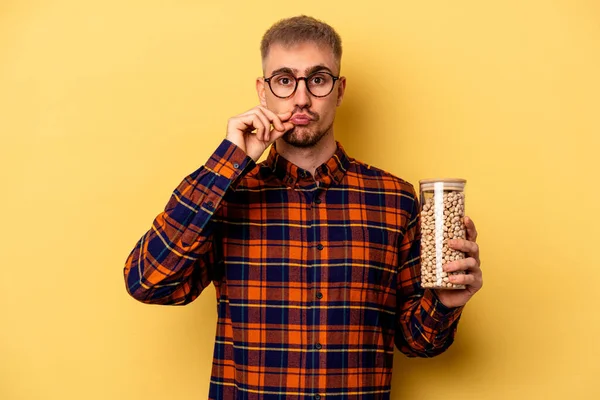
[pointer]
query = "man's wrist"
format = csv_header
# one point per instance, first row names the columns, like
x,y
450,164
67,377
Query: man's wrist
x,y
229,160
440,310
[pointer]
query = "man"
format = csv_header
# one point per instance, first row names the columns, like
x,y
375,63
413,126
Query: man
x,y
313,254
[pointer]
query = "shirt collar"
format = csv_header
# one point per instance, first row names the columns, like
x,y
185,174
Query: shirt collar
x,y
328,173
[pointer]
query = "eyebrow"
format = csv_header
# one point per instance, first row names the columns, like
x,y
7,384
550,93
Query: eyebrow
x,y
307,71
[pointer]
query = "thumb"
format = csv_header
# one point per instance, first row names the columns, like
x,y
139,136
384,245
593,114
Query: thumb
x,y
276,134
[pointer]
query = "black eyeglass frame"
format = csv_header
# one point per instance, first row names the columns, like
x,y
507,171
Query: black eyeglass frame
x,y
305,79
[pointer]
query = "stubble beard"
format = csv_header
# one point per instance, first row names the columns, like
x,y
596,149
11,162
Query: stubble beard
x,y
304,136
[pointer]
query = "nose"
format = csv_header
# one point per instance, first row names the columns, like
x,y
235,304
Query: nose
x,y
302,96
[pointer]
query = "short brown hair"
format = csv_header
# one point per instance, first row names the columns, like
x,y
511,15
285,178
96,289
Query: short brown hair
x,y
300,29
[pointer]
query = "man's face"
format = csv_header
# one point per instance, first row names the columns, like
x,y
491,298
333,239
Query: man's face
x,y
301,60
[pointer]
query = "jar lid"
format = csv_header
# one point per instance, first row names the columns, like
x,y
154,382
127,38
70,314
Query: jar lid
x,y
448,183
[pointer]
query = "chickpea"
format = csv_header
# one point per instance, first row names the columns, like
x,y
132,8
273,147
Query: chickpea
x,y
437,227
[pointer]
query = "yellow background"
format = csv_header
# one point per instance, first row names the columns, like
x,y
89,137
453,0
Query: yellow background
x,y
105,106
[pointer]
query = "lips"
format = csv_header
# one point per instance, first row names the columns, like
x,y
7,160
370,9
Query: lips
x,y
300,119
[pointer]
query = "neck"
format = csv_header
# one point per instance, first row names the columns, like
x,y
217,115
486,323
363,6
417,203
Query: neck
x,y
309,158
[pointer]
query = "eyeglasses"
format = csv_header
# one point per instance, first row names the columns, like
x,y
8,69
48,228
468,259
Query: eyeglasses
x,y
319,84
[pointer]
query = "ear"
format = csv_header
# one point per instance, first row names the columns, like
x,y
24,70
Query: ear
x,y
341,90
260,90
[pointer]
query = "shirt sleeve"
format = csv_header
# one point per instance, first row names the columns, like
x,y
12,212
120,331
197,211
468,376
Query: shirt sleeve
x,y
425,327
174,260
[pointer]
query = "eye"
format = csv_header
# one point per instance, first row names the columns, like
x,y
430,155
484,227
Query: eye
x,y
284,80
320,79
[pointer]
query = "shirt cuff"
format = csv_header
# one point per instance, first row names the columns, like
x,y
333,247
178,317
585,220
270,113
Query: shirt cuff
x,y
229,160
439,311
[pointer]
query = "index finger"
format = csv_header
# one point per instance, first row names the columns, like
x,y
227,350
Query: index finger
x,y
471,231
276,119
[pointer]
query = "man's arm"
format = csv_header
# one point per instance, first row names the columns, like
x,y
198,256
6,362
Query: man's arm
x,y
425,327
173,262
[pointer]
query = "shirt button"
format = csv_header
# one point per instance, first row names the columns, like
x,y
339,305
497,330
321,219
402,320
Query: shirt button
x,y
236,165
320,246
319,295
318,200
318,346
317,397
209,204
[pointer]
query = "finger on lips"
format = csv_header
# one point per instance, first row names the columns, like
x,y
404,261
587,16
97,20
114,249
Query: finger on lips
x,y
279,121
272,118
272,114
264,122
284,125
277,124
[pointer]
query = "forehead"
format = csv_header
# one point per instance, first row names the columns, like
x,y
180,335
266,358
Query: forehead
x,y
299,57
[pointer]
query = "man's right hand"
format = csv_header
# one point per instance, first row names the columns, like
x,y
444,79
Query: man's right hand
x,y
240,130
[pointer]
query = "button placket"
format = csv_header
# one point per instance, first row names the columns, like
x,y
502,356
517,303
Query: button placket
x,y
316,313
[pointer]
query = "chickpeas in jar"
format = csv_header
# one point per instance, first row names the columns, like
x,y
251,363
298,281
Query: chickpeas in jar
x,y
442,219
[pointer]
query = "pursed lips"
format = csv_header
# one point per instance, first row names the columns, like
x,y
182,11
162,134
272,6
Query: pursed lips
x,y
300,119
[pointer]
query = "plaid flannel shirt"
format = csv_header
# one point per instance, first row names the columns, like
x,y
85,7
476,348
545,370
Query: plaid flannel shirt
x,y
316,276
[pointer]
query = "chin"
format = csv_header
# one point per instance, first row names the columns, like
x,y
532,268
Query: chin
x,y
303,137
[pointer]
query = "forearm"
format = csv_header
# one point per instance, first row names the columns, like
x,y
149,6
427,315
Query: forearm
x,y
171,263
425,327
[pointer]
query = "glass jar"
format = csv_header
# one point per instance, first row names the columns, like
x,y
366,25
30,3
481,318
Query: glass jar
x,y
442,218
